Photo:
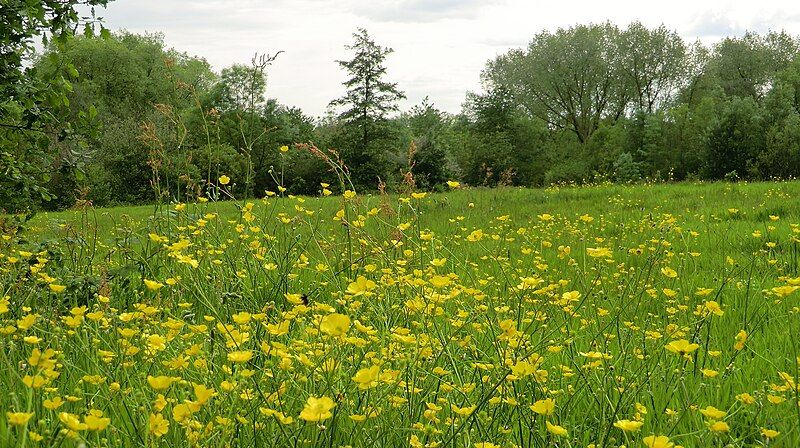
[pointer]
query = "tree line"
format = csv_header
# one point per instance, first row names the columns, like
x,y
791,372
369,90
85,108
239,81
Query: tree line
x,y
122,119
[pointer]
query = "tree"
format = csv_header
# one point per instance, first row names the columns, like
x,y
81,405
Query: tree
x,y
572,79
33,112
735,140
367,103
129,80
432,137
654,64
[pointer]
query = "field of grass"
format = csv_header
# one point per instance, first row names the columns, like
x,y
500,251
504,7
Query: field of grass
x,y
602,316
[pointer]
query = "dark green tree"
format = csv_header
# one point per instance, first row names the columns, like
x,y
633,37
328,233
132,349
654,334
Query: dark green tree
x,y
367,137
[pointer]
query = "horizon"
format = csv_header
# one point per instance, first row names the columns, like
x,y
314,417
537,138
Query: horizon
x,y
437,51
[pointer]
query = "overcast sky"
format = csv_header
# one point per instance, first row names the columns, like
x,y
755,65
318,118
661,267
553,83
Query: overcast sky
x,y
440,46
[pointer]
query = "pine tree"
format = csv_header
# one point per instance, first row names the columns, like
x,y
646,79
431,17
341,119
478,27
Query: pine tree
x,y
367,103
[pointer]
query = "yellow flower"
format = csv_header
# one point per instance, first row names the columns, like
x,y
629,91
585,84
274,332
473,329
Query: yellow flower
x,y
681,346
95,420
203,394
544,407
556,430
669,272
719,427
335,324
153,285
157,425
712,413
657,442
360,286
783,291
240,356
769,433
224,180
453,184
628,425
317,409
741,338
599,252
18,418
367,378
349,194
284,148
53,404
72,421
57,288
160,382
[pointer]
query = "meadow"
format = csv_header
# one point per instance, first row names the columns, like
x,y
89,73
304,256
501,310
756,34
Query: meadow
x,y
646,315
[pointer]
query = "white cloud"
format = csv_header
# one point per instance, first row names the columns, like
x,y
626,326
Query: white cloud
x,y
440,46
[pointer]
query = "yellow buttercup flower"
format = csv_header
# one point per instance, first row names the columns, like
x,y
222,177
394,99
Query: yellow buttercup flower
x,y
224,180
18,418
367,378
157,425
657,442
544,407
628,425
682,347
317,409
335,324
556,430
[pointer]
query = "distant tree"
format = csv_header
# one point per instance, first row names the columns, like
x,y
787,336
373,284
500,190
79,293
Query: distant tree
x,y
432,137
130,80
366,105
735,140
654,64
572,79
240,87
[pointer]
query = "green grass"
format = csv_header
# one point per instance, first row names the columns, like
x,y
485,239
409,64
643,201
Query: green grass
x,y
434,290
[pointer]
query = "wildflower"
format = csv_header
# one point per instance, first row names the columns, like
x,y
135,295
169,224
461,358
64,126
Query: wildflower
x,y
657,442
56,288
769,433
712,413
240,356
741,338
72,421
160,382
317,409
682,347
224,180
599,252
18,418
544,407
556,430
453,184
284,148
95,421
335,324
153,285
360,286
367,378
718,427
628,425
157,425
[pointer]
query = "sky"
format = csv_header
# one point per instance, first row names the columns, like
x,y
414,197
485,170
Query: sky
x,y
440,46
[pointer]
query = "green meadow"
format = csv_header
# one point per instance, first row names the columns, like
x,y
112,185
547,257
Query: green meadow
x,y
605,316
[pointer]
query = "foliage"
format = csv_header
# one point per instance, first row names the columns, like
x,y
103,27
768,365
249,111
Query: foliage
x,y
36,134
